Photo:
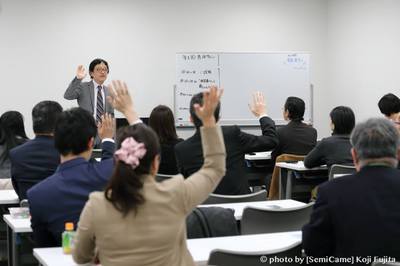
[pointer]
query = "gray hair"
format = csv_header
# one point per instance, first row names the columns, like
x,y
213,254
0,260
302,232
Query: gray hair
x,y
375,138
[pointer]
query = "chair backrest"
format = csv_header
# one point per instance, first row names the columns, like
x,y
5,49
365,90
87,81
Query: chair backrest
x,y
162,177
341,169
266,220
96,153
24,203
220,257
218,199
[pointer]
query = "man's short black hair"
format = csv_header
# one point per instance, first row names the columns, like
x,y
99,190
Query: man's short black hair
x,y
198,98
74,128
296,107
389,104
96,62
44,116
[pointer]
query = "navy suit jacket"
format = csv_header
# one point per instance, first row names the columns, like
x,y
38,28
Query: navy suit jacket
x,y
356,215
189,155
32,162
61,197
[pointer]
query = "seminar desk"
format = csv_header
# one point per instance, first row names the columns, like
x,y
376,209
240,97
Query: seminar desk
x,y
199,248
8,197
256,156
259,164
273,204
287,180
18,226
14,227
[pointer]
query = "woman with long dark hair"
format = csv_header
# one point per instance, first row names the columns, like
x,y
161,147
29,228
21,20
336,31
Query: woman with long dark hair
x,y
138,221
12,134
162,121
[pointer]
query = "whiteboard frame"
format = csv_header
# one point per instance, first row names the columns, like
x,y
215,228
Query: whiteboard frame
x,y
248,122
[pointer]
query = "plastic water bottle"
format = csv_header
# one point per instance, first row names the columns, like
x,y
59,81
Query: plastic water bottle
x,y
68,238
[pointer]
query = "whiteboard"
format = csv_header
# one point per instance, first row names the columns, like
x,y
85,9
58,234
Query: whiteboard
x,y
278,75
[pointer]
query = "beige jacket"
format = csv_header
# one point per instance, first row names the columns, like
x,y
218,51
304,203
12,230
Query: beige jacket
x,y
157,234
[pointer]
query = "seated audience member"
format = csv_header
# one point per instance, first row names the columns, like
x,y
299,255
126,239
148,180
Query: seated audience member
x,y
163,123
359,214
138,221
12,134
334,149
389,105
189,153
296,137
36,159
61,197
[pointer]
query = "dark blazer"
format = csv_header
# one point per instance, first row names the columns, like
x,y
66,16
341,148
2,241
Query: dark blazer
x,y
32,162
189,155
83,92
168,164
331,150
295,138
61,197
356,215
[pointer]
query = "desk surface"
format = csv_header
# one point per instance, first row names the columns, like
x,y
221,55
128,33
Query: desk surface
x,y
265,155
53,257
18,225
199,248
239,206
24,225
299,166
260,243
8,197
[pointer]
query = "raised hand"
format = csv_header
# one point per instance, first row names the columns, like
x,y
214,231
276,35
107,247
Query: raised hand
x,y
121,100
106,127
119,96
258,107
205,112
80,72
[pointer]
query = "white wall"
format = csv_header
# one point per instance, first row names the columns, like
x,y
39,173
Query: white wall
x,y
42,42
363,54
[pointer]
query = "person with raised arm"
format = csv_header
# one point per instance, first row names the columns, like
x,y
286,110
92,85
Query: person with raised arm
x,y
91,95
136,220
60,197
189,153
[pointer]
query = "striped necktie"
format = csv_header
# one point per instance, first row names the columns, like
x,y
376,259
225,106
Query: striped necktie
x,y
99,105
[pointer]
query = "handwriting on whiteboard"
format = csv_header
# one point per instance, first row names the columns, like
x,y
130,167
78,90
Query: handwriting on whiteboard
x,y
296,62
194,73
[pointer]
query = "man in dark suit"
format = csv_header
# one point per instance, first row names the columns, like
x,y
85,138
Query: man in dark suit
x,y
36,159
359,214
296,137
61,197
189,153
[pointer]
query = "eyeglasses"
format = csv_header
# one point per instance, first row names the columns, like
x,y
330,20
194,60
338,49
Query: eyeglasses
x,y
100,69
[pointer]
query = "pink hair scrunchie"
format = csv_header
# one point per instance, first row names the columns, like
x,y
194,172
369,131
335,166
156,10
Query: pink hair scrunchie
x,y
131,152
